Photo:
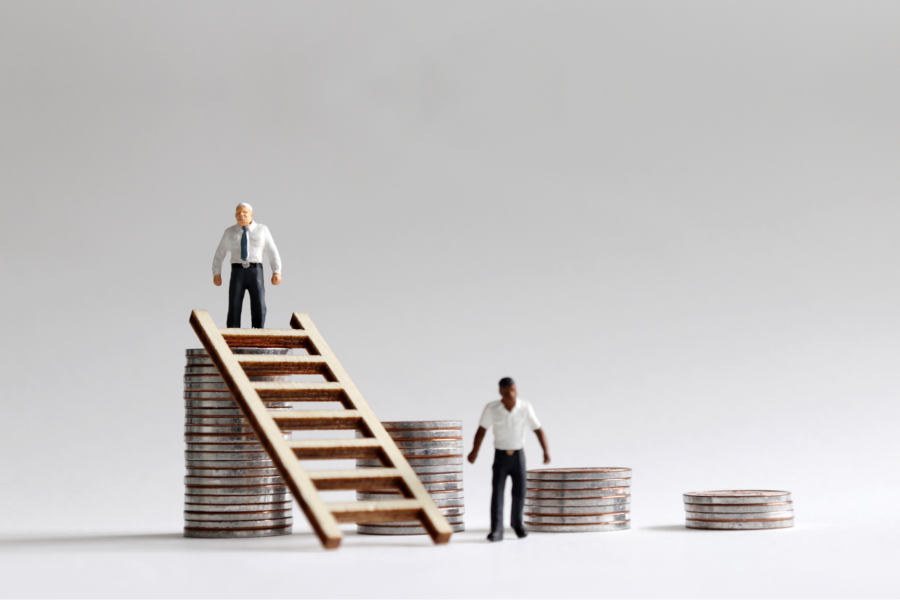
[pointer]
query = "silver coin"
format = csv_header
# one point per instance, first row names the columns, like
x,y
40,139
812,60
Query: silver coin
x,y
440,477
225,455
223,430
249,438
739,508
390,425
448,503
409,453
574,474
231,481
198,386
577,510
594,484
229,421
376,530
578,520
233,412
241,533
195,404
224,447
430,487
432,434
216,501
455,444
727,517
621,526
229,508
237,516
774,524
264,472
452,511
622,500
201,395
259,490
576,493
228,464
737,497
435,497
434,462
268,523
201,370
454,520
241,350
204,379
422,470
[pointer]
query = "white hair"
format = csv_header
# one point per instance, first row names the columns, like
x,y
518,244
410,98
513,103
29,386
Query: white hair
x,y
245,205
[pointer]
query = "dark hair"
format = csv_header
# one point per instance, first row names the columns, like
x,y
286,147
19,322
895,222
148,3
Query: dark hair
x,y
506,382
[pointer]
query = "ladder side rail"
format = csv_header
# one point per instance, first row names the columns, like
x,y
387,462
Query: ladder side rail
x,y
269,434
432,519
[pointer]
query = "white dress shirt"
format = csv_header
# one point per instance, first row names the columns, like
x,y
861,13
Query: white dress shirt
x,y
259,242
509,425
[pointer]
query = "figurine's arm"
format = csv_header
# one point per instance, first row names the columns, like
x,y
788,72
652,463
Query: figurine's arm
x,y
274,258
218,258
542,438
479,437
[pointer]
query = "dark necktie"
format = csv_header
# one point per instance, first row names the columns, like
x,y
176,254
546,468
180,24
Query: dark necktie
x,y
244,244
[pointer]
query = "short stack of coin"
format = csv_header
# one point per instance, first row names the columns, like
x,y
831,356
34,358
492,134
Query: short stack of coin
x,y
578,500
434,450
739,509
232,489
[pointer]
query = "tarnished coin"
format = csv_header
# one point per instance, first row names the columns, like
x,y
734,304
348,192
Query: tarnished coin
x,y
227,500
576,510
607,501
267,523
739,508
236,533
228,464
229,481
773,524
264,472
728,517
377,530
225,455
575,474
391,425
229,508
737,497
259,490
544,528
577,519
594,484
576,493
236,516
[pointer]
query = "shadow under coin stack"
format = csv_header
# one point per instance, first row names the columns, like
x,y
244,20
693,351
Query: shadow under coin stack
x,y
739,509
232,489
578,500
434,451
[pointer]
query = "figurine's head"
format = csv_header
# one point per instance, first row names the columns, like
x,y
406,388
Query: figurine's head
x,y
508,388
244,214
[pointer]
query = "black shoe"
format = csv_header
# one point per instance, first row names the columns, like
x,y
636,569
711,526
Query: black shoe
x,y
495,536
520,531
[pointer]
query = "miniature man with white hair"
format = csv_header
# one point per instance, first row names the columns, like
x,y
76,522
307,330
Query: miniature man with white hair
x,y
247,241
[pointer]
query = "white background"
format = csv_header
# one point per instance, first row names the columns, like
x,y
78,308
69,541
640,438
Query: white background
x,y
674,223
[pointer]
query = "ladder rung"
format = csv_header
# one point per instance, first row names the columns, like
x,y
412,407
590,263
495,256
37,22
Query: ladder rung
x,y
265,338
317,419
299,391
356,479
267,364
375,511
348,448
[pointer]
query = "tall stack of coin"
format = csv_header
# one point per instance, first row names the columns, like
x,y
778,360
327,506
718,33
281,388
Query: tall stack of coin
x,y
434,450
578,500
739,509
232,489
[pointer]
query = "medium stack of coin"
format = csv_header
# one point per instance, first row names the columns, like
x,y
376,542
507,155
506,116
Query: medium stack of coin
x,y
739,509
434,450
578,500
232,489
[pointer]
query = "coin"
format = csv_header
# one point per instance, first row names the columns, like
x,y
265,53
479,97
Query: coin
x,y
729,517
227,464
409,453
440,477
263,472
377,530
435,497
607,501
195,404
217,430
240,533
576,493
247,438
224,448
391,425
543,528
230,456
593,484
576,510
456,444
739,508
229,500
455,520
217,481
228,508
237,516
201,395
773,524
431,487
574,474
422,470
737,497
267,523
435,434
577,520
259,490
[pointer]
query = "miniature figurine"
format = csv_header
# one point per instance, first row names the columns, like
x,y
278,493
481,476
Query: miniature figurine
x,y
509,416
247,241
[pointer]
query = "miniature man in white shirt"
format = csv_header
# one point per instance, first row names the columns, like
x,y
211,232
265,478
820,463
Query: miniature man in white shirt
x,y
247,242
509,417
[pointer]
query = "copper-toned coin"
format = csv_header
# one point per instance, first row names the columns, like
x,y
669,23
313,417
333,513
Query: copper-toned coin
x,y
737,497
575,474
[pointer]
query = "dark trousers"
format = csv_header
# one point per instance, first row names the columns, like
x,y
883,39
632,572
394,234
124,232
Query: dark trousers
x,y
249,280
508,466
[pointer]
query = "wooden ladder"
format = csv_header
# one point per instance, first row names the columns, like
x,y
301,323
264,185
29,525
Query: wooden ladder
x,y
356,415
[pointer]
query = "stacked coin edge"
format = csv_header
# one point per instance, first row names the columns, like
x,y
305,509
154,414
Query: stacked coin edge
x,y
739,510
578,500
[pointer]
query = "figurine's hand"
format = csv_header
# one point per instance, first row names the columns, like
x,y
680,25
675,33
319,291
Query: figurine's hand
x,y
276,278
217,279
546,458
472,456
